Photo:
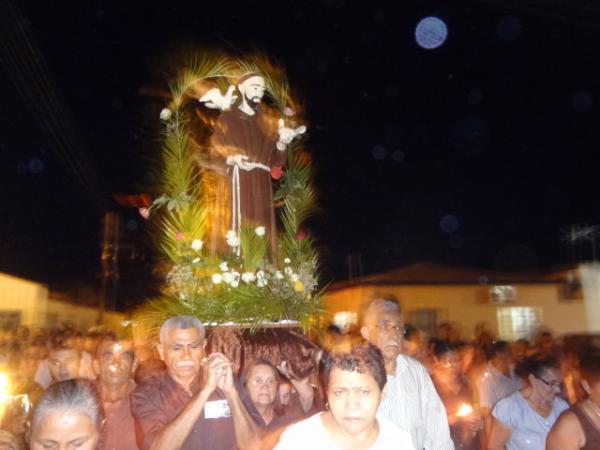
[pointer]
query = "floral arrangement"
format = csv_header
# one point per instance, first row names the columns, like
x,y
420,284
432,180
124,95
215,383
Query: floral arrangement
x,y
244,284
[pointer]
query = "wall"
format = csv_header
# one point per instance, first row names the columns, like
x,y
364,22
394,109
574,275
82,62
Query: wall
x,y
468,305
31,300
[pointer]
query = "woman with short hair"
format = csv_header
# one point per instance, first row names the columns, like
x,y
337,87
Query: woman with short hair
x,y
354,380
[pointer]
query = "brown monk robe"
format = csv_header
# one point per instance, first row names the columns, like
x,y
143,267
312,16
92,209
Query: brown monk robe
x,y
255,137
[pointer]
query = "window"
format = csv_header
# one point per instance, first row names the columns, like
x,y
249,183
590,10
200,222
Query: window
x,y
518,322
9,320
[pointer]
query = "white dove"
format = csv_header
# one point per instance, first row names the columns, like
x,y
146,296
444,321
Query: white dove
x,y
287,135
213,99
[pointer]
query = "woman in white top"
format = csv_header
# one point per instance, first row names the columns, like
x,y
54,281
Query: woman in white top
x,y
354,379
523,419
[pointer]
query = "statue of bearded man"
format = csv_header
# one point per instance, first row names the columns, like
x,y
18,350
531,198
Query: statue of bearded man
x,y
247,140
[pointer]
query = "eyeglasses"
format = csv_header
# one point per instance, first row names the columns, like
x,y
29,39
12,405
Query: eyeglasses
x,y
550,384
388,327
269,382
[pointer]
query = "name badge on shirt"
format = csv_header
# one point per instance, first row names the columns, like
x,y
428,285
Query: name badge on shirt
x,y
216,409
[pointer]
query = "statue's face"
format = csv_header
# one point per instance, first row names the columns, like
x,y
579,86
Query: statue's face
x,y
253,89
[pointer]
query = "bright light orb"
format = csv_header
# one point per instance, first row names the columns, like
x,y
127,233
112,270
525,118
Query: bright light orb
x,y
431,32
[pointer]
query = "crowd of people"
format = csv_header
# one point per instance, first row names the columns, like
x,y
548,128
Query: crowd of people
x,y
382,385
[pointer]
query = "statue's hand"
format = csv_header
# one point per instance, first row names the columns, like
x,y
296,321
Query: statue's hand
x,y
240,161
287,135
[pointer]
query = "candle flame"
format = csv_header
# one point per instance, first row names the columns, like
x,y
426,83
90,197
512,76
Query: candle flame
x,y
464,410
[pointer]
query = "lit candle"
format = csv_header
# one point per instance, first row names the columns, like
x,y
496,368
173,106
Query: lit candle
x,y
464,410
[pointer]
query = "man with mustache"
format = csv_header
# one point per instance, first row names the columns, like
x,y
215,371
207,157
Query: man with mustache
x,y
410,400
194,404
114,364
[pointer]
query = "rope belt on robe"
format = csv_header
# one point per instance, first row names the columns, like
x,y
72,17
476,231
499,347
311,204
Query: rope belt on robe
x,y
236,210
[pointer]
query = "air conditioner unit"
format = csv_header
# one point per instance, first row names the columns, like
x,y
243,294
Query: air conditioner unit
x,y
499,295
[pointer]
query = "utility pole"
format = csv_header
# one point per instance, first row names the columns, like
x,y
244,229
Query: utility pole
x,y
110,263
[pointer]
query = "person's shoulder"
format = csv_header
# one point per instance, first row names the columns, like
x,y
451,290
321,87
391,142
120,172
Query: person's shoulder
x,y
566,431
298,433
391,433
150,385
408,363
507,408
560,404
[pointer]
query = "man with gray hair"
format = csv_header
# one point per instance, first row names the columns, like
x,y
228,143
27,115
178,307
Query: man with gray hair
x,y
410,400
194,404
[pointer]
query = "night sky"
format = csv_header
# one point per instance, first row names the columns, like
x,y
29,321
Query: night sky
x,y
481,152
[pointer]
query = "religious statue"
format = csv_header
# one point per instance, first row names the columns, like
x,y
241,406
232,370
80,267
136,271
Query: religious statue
x,y
250,143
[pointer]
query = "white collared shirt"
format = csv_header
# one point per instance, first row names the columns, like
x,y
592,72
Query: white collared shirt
x,y
412,404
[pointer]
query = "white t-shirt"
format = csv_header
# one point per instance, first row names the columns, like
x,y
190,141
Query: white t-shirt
x,y
311,434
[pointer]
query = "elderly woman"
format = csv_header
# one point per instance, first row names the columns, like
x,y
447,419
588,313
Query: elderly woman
x,y
354,381
68,415
579,427
523,419
260,380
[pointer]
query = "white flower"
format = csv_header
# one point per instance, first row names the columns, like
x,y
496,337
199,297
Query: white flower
x,y
260,231
165,114
279,275
248,277
232,239
294,277
228,277
234,284
223,266
287,260
195,260
197,244
261,280
288,271
217,278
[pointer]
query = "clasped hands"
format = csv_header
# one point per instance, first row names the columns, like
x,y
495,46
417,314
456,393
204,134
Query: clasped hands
x,y
219,374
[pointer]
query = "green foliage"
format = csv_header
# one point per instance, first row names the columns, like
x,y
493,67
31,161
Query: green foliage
x,y
220,288
254,248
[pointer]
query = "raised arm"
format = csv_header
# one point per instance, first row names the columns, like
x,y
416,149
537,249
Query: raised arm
x,y
247,432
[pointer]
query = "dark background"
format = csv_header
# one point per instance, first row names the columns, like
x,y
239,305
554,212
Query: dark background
x,y
481,152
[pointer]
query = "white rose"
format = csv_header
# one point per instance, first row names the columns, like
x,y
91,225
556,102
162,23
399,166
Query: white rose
x,y
217,278
248,277
279,275
233,242
260,231
223,266
197,244
165,114
287,260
